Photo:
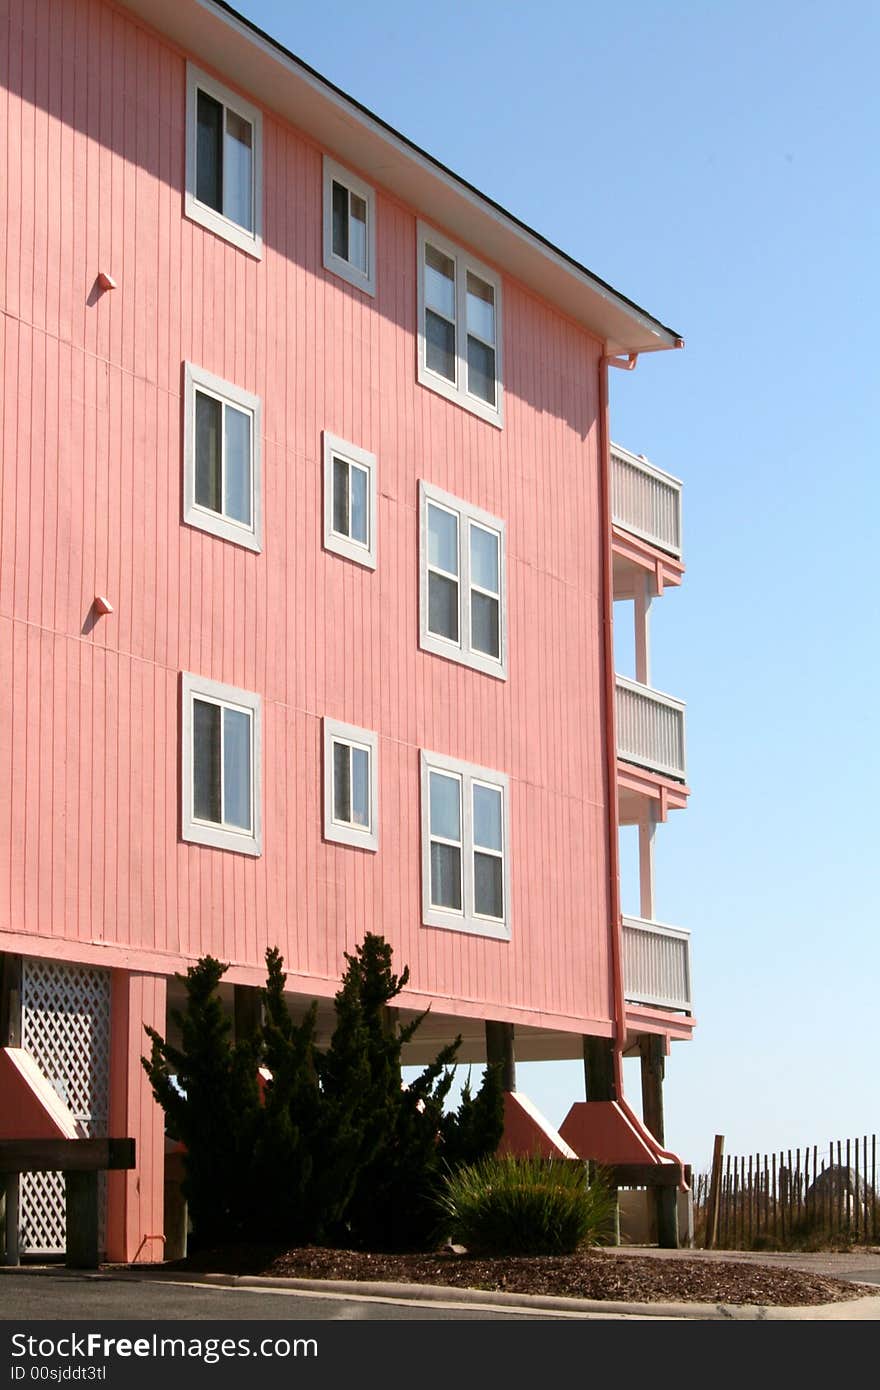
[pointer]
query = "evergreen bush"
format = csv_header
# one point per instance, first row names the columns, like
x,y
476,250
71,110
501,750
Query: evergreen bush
x,y
336,1149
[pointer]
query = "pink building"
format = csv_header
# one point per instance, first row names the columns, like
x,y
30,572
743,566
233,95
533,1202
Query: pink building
x,y
311,528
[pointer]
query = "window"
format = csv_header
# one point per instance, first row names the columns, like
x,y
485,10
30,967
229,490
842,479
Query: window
x,y
462,583
465,836
221,459
459,327
223,162
351,780
221,773
349,227
349,501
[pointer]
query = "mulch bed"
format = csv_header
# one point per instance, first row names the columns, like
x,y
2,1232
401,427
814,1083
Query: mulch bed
x,y
593,1273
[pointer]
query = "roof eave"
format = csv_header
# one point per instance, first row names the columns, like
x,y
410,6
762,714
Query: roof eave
x,y
262,67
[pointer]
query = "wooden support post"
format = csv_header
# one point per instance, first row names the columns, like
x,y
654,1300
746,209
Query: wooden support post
x,y
714,1193
647,833
10,1036
599,1069
11,1224
247,1011
500,1052
81,1189
666,1199
642,624
652,1051
389,1017
10,1001
599,1085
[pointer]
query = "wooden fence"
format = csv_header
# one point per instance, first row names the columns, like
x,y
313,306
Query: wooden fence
x,y
794,1197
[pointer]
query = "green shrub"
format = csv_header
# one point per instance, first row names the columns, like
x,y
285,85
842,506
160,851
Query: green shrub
x,y
526,1206
333,1148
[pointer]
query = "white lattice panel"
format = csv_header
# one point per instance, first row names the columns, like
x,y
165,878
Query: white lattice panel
x,y
65,1025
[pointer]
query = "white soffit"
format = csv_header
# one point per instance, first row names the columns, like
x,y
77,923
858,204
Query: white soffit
x,y
221,39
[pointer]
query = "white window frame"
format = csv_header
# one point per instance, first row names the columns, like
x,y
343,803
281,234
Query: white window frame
x,y
217,523
344,832
351,454
251,242
200,832
461,650
467,920
362,280
457,391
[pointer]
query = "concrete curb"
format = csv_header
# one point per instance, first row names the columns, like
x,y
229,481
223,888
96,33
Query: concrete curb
x,y
848,1310
856,1309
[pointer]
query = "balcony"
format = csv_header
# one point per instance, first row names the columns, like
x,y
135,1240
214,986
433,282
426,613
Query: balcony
x,y
645,501
650,729
656,965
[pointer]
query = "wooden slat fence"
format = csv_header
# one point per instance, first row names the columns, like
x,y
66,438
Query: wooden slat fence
x,y
795,1197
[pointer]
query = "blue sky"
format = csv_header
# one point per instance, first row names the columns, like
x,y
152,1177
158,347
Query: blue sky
x,y
716,163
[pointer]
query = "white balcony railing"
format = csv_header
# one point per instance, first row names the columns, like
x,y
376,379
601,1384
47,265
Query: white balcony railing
x,y
645,501
650,729
656,964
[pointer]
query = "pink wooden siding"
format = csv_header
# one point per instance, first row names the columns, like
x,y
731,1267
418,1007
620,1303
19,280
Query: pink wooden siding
x,y
92,180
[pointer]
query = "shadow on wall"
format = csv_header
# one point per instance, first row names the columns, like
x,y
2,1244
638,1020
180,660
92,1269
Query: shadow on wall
x,y
125,91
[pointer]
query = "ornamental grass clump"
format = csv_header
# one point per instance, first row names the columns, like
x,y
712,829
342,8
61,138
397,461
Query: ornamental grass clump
x,y
526,1206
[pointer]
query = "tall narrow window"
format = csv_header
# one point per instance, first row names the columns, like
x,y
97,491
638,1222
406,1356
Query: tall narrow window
x,y
445,831
464,847
443,573
349,501
222,458
349,227
350,785
485,591
221,766
481,338
488,821
459,310
462,569
440,355
223,183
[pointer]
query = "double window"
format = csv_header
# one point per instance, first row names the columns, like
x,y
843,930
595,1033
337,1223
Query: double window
x,y
349,501
349,227
351,782
221,478
462,582
221,771
223,162
459,327
465,834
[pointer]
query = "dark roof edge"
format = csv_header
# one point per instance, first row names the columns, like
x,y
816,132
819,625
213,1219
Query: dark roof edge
x,y
443,168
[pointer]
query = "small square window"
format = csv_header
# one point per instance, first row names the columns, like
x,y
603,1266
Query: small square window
x,y
221,772
465,835
459,327
463,588
221,459
349,227
351,785
223,162
349,501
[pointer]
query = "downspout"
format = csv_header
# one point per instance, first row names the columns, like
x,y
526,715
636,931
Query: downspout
x,y
611,722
